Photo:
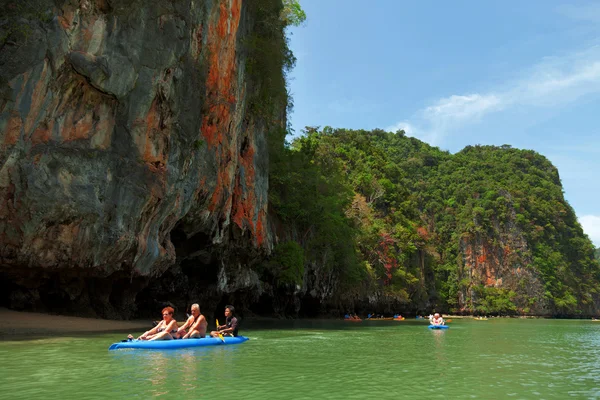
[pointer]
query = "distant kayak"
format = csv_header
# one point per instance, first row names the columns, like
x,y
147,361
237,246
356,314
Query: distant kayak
x,y
353,319
438,327
399,319
480,319
380,319
176,344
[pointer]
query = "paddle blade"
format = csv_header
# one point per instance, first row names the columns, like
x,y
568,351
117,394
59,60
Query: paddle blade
x,y
220,335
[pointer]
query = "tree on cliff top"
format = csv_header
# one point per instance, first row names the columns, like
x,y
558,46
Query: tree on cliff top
x,y
292,13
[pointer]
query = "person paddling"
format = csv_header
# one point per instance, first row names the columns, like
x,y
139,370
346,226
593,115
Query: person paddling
x,y
231,324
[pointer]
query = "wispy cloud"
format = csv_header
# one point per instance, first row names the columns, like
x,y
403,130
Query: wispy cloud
x,y
554,81
591,226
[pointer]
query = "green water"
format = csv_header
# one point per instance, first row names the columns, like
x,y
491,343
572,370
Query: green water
x,y
495,359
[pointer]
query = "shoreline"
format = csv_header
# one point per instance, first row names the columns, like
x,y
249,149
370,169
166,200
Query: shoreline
x,y
25,325
32,324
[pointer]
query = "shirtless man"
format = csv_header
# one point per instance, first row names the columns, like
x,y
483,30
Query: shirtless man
x,y
198,324
181,331
437,319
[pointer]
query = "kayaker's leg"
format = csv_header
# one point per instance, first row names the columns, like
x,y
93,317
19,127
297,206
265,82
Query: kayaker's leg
x,y
195,334
164,335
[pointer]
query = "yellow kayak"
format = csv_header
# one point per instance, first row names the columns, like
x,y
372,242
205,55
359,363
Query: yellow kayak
x,y
480,319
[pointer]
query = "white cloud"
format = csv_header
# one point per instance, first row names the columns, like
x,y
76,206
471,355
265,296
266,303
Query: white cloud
x,y
554,81
591,226
462,107
408,129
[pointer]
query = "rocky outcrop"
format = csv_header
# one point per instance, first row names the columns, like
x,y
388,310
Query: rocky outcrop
x,y
125,133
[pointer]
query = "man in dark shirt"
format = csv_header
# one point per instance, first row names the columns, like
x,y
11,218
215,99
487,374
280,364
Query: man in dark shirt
x,y
231,324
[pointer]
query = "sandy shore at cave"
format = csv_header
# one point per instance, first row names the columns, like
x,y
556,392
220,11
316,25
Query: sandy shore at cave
x,y
29,323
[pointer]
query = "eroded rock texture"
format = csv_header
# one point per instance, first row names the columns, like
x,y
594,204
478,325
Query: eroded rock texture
x,y
123,129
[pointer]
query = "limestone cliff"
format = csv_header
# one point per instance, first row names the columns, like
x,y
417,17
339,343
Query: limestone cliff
x,y
124,127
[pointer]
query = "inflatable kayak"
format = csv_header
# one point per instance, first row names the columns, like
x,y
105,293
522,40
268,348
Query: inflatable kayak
x,y
438,327
176,344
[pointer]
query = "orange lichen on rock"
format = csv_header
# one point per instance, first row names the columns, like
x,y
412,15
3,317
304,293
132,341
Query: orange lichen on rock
x,y
222,67
217,123
41,135
245,200
481,258
13,129
260,230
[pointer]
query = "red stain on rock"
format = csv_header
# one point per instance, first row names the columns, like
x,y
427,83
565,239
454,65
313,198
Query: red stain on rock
x,y
245,201
216,124
481,258
41,135
13,129
260,230
66,19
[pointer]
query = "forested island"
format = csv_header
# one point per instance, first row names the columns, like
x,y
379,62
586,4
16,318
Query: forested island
x,y
144,163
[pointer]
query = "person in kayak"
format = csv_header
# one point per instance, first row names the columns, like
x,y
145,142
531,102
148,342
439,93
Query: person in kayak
x,y
437,319
231,324
182,330
165,330
198,324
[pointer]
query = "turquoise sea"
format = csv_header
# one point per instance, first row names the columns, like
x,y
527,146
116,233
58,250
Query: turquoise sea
x,y
494,359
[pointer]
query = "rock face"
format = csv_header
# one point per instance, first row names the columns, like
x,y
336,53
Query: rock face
x,y
123,129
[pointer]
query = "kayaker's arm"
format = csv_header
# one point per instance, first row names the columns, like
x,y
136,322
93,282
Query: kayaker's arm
x,y
172,326
151,331
231,329
187,324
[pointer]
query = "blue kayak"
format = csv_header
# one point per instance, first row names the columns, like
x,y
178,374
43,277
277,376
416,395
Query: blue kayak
x,y
176,344
438,327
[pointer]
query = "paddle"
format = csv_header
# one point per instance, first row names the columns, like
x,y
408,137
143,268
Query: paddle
x,y
219,333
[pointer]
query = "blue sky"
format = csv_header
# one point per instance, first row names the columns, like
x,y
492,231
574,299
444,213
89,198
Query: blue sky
x,y
460,73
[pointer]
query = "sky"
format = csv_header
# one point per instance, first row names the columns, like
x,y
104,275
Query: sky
x,y
460,73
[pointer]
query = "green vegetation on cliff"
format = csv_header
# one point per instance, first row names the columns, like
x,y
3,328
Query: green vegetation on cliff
x,y
269,57
486,230
597,253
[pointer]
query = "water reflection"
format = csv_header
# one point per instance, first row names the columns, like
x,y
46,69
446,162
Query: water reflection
x,y
162,372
